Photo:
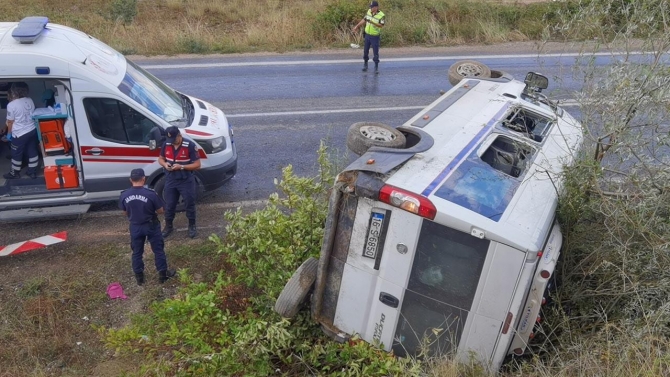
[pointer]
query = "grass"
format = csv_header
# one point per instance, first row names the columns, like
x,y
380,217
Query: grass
x,y
228,26
49,321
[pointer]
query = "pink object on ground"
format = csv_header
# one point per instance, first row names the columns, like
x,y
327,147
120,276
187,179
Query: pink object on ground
x,y
115,290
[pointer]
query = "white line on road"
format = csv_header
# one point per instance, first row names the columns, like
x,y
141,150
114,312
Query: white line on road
x,y
563,103
350,61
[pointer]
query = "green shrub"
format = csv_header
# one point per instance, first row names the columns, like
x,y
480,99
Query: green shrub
x,y
124,11
196,333
339,15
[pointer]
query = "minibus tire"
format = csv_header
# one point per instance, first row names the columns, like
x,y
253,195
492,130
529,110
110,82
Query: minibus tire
x,y
467,68
359,143
501,75
296,289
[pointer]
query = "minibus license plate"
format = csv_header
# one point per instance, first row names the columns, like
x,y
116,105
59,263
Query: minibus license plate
x,y
374,233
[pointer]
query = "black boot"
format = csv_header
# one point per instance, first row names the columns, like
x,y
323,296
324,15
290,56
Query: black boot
x,y
192,231
365,67
376,68
167,230
12,175
163,276
139,278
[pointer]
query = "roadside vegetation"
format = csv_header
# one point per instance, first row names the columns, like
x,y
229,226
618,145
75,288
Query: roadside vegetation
x,y
609,316
151,27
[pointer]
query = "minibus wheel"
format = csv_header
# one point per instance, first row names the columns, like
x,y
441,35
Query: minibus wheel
x,y
363,135
501,75
467,68
296,290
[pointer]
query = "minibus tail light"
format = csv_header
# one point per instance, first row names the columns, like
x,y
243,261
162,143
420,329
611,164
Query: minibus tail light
x,y
408,201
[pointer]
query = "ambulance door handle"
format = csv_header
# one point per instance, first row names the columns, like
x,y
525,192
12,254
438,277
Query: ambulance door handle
x,y
389,300
94,151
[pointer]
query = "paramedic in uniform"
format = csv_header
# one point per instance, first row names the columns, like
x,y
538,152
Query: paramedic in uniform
x,y
142,206
21,130
180,158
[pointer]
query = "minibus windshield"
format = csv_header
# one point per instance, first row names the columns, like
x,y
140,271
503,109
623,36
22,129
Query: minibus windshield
x,y
152,93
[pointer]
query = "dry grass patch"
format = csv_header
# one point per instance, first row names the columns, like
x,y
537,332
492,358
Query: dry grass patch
x,y
151,27
51,310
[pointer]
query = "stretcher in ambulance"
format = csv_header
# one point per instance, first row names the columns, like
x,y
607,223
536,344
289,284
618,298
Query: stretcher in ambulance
x,y
98,116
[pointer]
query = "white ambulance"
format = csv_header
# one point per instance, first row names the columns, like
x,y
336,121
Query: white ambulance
x,y
112,115
442,237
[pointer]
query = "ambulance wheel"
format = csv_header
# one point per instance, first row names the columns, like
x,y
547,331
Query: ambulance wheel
x,y
467,68
363,135
160,186
296,290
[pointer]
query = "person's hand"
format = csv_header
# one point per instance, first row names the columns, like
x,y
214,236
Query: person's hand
x,y
176,167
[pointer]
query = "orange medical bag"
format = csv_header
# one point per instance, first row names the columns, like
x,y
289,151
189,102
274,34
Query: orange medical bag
x,y
53,137
60,177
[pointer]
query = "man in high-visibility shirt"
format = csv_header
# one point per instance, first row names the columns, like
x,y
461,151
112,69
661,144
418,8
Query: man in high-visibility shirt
x,y
374,21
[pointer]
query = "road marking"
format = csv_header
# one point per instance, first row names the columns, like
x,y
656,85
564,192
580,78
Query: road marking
x,y
563,103
318,112
386,60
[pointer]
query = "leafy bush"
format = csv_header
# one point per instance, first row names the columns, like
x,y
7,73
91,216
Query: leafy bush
x,y
339,15
198,333
124,11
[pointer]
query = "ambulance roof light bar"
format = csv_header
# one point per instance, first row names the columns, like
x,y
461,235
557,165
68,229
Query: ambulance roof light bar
x,y
29,29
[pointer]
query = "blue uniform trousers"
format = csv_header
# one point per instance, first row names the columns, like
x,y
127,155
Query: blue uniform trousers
x,y
26,144
175,187
371,41
138,236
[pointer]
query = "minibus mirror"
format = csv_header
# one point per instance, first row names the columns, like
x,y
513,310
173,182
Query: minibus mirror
x,y
536,81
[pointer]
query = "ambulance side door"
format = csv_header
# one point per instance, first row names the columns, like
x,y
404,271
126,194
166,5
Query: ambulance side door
x,y
113,140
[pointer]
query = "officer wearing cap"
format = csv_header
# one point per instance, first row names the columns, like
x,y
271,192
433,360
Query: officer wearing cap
x,y
374,21
180,159
142,206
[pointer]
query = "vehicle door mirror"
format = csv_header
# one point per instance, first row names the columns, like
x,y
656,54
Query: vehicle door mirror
x,y
536,81
152,144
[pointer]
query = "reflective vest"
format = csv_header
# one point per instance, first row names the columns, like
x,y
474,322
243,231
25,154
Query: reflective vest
x,y
379,18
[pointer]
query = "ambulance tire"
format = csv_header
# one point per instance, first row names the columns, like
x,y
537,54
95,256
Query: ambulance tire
x,y
160,185
363,135
467,68
296,289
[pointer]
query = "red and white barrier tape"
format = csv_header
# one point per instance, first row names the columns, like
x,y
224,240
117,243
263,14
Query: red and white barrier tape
x,y
35,243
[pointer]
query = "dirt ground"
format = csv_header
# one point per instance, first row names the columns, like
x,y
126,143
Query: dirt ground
x,y
54,299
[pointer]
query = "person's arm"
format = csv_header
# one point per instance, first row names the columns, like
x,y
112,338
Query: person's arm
x,y
361,23
158,204
122,206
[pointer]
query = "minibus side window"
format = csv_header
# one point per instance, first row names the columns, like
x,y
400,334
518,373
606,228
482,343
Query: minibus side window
x,y
115,121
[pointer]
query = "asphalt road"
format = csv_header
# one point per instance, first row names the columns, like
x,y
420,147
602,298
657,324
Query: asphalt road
x,y
282,105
